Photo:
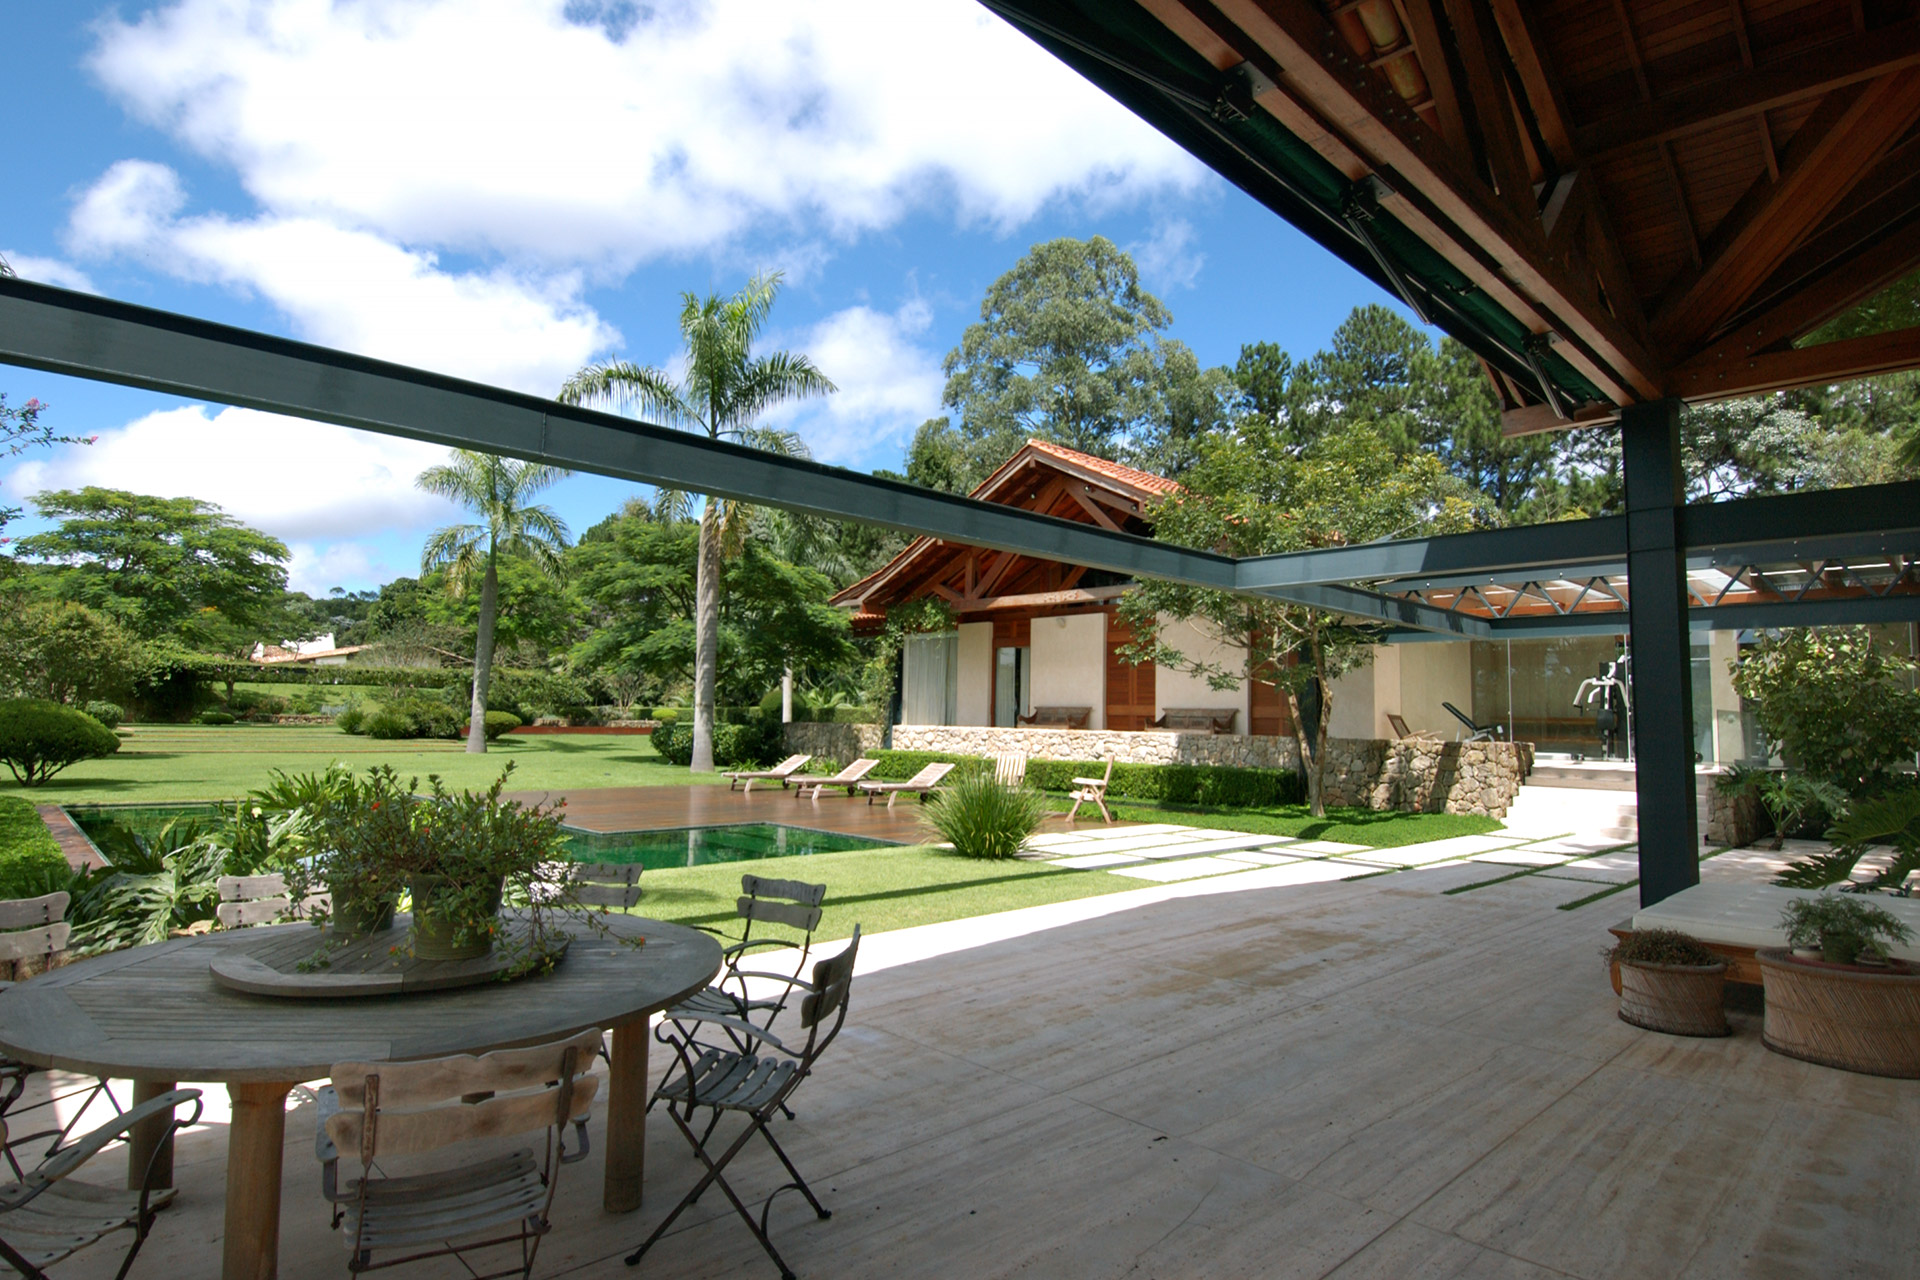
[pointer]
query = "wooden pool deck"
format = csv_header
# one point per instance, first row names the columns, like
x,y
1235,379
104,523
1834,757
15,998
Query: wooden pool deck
x,y
656,808
1364,1080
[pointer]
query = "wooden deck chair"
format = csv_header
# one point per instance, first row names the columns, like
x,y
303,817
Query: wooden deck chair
x,y
754,1081
848,777
246,901
766,907
1092,791
608,885
780,773
921,784
46,1215
1010,768
377,1111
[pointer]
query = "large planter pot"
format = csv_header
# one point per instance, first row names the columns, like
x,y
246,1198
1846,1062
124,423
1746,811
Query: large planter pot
x,y
435,929
1679,999
356,917
1842,1015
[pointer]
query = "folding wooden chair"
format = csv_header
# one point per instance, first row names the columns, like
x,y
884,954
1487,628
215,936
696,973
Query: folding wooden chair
x,y
45,1217
1092,791
378,1110
246,901
754,1081
1010,768
608,885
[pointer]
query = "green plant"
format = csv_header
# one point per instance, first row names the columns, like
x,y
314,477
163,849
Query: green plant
x,y
983,819
389,724
733,744
30,858
1843,926
1659,946
216,717
1893,819
353,719
499,722
1835,704
1794,801
39,739
152,888
109,714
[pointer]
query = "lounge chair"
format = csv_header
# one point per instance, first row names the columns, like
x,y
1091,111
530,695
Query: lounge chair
x,y
1472,732
922,784
1092,791
848,777
779,773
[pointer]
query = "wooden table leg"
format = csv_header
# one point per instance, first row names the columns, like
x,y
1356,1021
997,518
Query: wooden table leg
x,y
255,1145
149,1136
626,1117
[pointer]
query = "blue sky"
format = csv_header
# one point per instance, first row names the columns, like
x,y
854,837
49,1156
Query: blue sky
x,y
505,189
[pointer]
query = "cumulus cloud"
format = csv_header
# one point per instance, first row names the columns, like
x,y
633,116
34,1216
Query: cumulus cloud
x,y
303,482
317,570
1167,258
48,271
888,383
559,131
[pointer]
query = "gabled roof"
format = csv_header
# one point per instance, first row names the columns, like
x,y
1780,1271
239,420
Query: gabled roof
x,y
1132,488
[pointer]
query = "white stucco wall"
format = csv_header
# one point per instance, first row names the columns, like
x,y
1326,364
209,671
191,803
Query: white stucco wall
x,y
1429,675
973,703
1179,689
1729,744
1356,703
1070,664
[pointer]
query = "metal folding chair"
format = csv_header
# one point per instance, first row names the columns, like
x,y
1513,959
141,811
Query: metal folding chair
x,y
754,1082
785,904
45,1217
400,1109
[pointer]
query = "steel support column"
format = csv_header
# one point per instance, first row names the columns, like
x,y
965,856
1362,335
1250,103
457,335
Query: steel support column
x,y
1662,650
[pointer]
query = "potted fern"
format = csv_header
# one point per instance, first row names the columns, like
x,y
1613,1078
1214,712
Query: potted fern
x,y
1854,1007
1670,982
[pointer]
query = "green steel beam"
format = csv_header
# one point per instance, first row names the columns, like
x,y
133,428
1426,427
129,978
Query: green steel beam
x,y
1572,543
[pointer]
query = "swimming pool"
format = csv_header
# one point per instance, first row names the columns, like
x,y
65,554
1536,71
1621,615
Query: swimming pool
x,y
705,846
103,823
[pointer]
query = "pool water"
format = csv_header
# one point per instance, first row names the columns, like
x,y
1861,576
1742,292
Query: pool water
x,y
705,846
103,823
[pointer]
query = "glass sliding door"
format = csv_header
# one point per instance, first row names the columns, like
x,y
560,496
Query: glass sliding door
x,y
1011,698
929,683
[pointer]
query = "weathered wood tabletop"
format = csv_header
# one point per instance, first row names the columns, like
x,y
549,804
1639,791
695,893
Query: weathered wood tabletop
x,y
154,1015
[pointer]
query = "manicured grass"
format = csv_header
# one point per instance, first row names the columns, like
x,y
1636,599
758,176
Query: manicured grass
x,y
875,888
160,763
28,852
1348,826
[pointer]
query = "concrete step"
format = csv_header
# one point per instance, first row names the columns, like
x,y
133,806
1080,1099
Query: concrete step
x,y
1583,776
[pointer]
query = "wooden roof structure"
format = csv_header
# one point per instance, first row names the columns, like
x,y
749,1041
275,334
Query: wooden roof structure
x,y
1610,201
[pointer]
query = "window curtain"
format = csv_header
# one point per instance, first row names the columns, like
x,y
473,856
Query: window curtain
x,y
930,688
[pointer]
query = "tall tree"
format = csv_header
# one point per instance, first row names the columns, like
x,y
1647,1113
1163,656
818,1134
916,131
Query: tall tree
x,y
496,489
725,390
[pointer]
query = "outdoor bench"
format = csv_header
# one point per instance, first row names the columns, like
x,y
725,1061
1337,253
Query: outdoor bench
x,y
1196,719
1058,717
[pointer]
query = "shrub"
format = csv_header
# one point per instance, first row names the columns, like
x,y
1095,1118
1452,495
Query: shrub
x,y
1660,946
30,860
109,714
983,819
39,739
389,723
1843,926
733,744
499,722
1835,704
216,716
245,702
1796,803
426,717
353,719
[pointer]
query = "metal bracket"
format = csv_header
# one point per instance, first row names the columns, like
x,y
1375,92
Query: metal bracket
x,y
1244,82
1358,208
1536,348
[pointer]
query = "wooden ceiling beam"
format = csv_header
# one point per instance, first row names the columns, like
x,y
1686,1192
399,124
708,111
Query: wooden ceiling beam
x,y
1530,59
1291,42
1484,88
1791,77
1706,379
1430,46
1832,151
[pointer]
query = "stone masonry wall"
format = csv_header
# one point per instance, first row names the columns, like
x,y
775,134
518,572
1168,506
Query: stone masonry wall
x,y
837,742
1734,820
1413,775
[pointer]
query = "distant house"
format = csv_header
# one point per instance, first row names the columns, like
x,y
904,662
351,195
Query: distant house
x,y
318,652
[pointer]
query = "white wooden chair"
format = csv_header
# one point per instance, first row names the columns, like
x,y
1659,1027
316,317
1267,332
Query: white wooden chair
x,y
1010,768
779,773
381,1110
46,1215
922,784
1092,791
246,901
754,1080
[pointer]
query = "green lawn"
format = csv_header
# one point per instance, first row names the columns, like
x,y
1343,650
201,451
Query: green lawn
x,y
160,763
876,888
1386,830
28,851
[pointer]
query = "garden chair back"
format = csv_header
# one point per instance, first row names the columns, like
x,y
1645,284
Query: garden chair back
x,y
246,901
767,903
33,934
380,1110
44,1217
614,885
1010,768
754,1078
1092,791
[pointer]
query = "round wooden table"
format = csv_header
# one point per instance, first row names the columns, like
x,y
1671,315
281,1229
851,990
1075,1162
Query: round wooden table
x,y
155,1016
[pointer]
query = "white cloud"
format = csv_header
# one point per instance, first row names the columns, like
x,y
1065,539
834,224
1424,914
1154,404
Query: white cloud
x,y
299,481
1167,259
501,125
318,569
887,384
48,271
352,289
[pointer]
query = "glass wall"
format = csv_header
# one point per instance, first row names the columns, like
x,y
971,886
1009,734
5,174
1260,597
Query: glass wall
x,y
1011,697
929,679
1528,686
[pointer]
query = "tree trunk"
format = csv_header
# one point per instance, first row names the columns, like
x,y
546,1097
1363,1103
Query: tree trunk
x,y
483,659
1308,756
1324,715
706,645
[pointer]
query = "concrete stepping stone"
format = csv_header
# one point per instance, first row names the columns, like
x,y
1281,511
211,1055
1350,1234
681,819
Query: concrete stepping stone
x,y
1181,869
1090,861
1330,848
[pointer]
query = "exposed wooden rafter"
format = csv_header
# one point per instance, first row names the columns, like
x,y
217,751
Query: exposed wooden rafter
x,y
1708,378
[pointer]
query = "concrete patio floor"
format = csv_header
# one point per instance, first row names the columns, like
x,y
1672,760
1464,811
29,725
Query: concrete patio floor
x,y
1238,1077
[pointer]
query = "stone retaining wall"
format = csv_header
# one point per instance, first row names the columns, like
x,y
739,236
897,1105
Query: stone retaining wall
x,y
837,742
1734,820
1414,775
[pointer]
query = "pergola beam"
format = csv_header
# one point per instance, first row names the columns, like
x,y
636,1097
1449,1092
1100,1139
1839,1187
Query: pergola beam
x,y
1720,374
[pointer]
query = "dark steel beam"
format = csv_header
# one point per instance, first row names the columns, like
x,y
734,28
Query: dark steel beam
x,y
1371,606
1779,521
1532,547
91,337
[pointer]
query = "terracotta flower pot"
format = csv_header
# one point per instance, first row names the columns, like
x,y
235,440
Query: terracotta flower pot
x,y
1679,999
1844,1016
435,931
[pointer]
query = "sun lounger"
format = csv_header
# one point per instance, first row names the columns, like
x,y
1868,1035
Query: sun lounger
x,y
779,773
848,777
921,784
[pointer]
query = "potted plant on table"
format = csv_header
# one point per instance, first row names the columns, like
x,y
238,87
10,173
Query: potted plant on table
x,y
1854,1007
1670,982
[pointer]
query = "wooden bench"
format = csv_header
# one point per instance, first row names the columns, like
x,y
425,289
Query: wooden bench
x,y
1196,719
1058,717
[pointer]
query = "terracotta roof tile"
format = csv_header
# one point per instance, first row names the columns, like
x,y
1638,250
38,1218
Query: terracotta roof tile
x,y
1113,470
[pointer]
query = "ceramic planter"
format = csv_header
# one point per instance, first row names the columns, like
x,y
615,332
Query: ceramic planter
x,y
356,917
1843,1016
1679,999
435,931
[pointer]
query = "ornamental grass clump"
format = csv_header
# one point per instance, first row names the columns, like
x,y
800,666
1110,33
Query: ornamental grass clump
x,y
1659,946
981,818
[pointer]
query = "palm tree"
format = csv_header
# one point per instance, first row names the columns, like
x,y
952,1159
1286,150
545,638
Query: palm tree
x,y
496,489
724,390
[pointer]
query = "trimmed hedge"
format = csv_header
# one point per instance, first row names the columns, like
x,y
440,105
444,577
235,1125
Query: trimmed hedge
x,y
499,722
38,739
109,714
734,745
1221,785
30,859
216,717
